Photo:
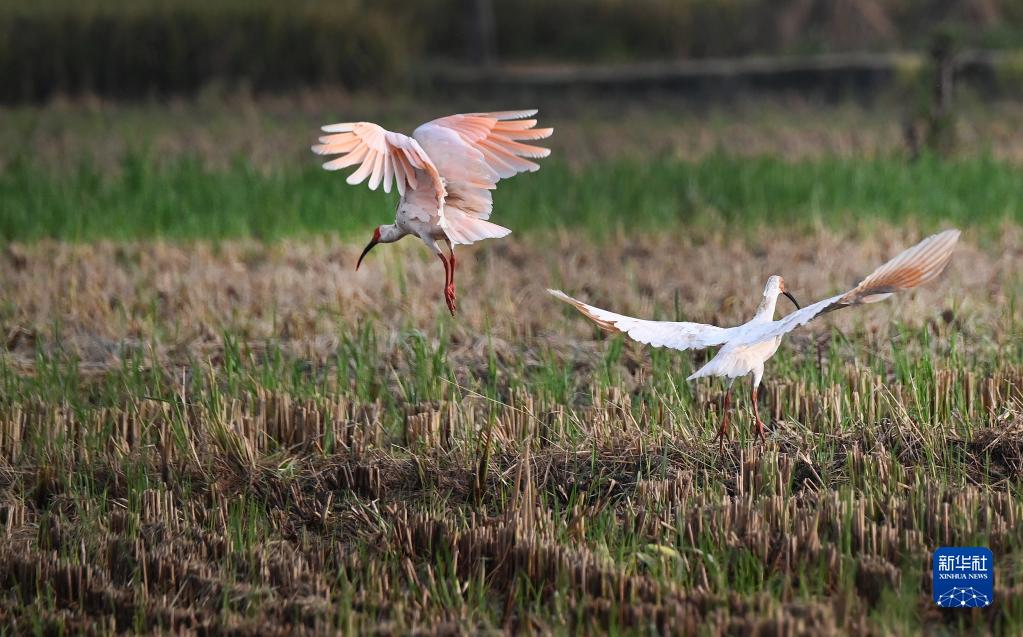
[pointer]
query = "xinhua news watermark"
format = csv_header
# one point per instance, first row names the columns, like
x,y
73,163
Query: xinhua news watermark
x,y
964,577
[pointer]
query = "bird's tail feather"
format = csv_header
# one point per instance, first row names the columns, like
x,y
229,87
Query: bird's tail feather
x,y
722,365
461,228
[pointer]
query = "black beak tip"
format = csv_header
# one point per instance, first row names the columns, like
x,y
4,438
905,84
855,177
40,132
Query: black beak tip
x,y
793,299
364,253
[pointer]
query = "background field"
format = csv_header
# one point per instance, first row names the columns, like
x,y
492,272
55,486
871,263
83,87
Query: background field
x,y
132,48
210,423
208,170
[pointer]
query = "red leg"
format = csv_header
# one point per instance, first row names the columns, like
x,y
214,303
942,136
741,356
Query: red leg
x,y
448,298
723,430
756,414
451,278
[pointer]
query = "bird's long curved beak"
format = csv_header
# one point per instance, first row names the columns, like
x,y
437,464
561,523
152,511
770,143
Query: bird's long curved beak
x,y
366,251
793,299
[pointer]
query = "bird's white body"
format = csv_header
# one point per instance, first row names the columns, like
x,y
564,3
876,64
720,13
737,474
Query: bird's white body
x,y
738,357
735,360
444,172
745,348
409,218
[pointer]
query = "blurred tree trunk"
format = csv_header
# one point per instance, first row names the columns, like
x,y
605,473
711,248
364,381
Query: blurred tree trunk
x,y
846,24
484,30
942,122
984,13
935,128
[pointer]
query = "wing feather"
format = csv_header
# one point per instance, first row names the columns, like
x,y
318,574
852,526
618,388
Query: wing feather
x,y
675,335
375,172
340,143
383,157
505,161
516,124
357,156
388,172
363,171
912,268
408,171
523,131
518,148
501,162
474,151
508,115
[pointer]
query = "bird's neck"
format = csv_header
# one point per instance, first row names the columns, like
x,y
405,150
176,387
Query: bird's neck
x,y
391,233
765,312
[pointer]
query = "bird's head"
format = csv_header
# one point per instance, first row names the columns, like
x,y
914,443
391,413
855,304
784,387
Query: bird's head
x,y
372,242
382,234
776,286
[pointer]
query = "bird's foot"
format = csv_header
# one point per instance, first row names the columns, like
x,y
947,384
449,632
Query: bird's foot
x,y
761,430
720,437
449,298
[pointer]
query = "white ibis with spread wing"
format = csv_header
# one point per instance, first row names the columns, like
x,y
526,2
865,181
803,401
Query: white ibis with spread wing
x,y
745,348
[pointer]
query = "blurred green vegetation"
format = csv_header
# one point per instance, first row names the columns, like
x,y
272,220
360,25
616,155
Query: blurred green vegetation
x,y
182,199
143,48
118,48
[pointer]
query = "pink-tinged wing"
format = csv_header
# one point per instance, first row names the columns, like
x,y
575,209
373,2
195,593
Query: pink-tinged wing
x,y
468,179
500,138
382,157
473,152
912,268
676,335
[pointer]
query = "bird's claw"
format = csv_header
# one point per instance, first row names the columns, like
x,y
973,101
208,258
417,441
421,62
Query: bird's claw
x,y
720,438
760,431
449,298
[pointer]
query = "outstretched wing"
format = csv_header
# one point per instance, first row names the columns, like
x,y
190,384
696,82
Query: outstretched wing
x,y
497,136
676,335
384,157
913,267
473,152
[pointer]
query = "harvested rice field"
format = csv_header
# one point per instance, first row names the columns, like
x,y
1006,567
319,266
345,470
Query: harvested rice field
x,y
209,431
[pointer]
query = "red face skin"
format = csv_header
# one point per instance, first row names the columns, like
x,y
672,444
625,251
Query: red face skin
x,y
373,242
